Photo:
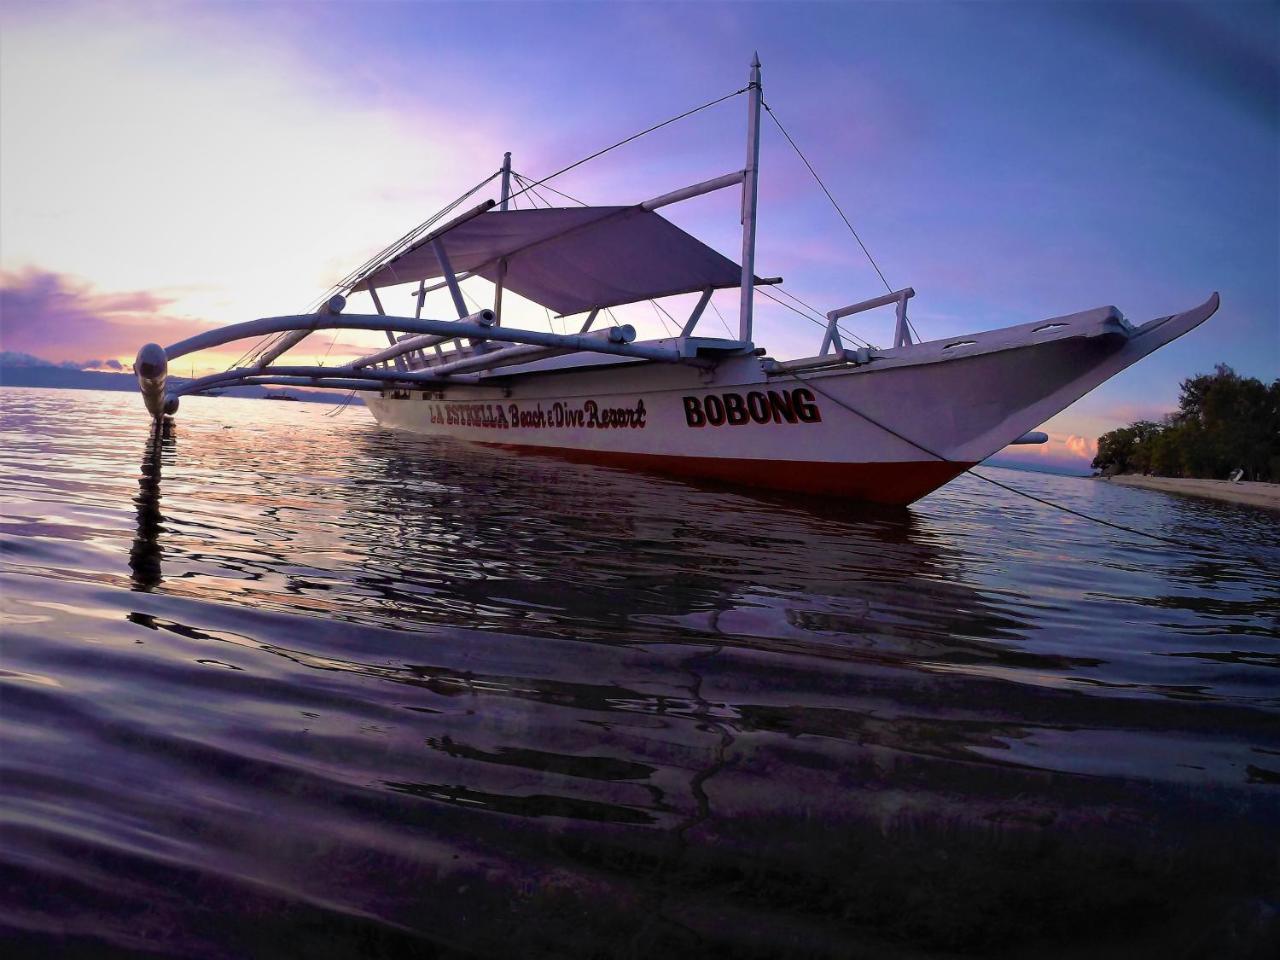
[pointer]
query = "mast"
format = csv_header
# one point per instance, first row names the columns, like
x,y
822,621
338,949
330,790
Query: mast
x,y
502,264
506,181
749,183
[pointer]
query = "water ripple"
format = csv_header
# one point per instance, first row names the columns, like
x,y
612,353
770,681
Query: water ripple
x,y
286,684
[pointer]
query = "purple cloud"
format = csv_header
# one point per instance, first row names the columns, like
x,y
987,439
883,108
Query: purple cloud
x,y
49,314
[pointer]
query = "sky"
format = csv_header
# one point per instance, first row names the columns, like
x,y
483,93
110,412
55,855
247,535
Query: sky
x,y
167,167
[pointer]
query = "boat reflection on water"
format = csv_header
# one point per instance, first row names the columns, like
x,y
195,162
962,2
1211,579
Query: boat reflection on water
x,y
615,714
145,557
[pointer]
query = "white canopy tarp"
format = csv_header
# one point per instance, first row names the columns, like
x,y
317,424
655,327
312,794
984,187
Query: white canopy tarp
x,y
571,259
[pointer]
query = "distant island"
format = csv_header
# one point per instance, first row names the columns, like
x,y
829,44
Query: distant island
x,y
1224,423
24,370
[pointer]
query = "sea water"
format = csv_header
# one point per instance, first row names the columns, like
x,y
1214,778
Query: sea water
x,y
288,684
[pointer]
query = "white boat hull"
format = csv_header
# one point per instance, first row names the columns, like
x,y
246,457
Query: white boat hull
x,y
889,431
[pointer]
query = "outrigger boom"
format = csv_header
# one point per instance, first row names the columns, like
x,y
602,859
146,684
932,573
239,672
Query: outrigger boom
x,y
860,422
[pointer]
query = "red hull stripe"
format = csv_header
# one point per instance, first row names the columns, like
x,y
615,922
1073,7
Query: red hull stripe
x,y
889,483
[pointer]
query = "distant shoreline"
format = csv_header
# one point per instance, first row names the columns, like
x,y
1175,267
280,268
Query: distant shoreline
x,y
63,378
1251,493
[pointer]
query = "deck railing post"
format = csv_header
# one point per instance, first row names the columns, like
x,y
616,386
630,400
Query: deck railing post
x,y
832,336
902,333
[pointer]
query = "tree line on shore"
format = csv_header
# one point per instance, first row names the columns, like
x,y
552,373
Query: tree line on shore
x,y
1224,422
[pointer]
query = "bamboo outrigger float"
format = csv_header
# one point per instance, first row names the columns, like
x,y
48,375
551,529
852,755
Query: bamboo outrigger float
x,y
882,425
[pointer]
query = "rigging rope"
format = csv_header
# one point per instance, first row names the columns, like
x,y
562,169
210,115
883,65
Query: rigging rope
x,y
969,470
393,249
330,347
397,247
712,302
520,182
659,311
341,406
817,317
387,252
1182,544
634,136
559,194
822,323
818,180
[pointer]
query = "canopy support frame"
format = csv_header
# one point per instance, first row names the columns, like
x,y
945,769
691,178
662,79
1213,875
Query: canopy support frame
x,y
696,315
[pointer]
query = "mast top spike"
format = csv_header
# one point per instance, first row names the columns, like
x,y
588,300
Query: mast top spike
x,y
755,59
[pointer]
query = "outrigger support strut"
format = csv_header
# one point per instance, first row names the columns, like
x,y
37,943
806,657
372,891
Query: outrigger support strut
x,y
152,362
309,376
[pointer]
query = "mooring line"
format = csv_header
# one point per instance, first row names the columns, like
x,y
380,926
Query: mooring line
x,y
1182,544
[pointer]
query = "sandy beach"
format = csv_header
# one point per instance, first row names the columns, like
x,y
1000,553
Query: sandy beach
x,y
1248,492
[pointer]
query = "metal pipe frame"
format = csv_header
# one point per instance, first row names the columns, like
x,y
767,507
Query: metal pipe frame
x,y
462,218
446,328
331,307
906,293
519,353
498,287
465,274
747,178
263,378
410,344
696,315
525,353
696,190
313,376
506,181
455,291
391,337
857,357
901,336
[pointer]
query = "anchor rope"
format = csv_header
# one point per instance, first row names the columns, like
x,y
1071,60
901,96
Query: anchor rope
x,y
1182,544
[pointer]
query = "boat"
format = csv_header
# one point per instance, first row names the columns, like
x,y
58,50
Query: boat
x,y
884,425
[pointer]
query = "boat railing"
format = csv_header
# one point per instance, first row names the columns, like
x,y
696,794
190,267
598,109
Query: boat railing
x,y
902,331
